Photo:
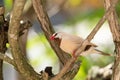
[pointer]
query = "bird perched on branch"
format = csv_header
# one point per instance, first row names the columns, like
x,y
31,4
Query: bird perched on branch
x,y
71,43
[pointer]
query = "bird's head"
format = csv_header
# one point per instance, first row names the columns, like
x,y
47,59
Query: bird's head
x,y
56,35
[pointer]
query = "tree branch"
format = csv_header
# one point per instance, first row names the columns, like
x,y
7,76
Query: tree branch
x,y
94,31
83,45
70,74
13,35
48,30
7,59
65,69
115,29
3,37
23,33
55,8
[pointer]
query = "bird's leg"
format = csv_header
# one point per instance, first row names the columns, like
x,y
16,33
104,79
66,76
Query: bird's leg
x,y
73,54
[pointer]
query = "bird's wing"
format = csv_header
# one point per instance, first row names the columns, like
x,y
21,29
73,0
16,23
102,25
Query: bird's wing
x,y
79,40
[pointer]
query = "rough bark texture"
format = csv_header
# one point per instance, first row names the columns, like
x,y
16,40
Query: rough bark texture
x,y
48,30
42,15
70,68
23,32
3,38
83,45
13,35
115,29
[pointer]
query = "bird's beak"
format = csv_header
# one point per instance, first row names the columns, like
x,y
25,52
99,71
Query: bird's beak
x,y
52,37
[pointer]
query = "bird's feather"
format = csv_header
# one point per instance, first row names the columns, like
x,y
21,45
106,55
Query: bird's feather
x,y
70,43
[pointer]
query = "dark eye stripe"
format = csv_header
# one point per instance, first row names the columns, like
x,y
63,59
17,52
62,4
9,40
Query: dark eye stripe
x,y
55,34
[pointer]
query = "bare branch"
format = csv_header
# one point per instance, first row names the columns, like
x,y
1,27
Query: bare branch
x,y
3,37
7,59
72,72
66,68
13,35
48,30
23,33
97,27
100,23
83,45
55,8
115,29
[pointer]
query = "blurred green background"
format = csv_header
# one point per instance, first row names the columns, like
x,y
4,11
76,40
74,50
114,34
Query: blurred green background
x,y
76,17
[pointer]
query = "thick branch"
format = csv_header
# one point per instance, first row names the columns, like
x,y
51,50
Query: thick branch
x,y
97,27
48,29
69,71
13,35
65,69
72,72
3,37
114,27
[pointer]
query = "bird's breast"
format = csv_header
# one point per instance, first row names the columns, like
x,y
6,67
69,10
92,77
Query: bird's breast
x,y
68,46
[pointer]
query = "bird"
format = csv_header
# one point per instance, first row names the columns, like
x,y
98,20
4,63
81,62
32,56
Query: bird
x,y
71,43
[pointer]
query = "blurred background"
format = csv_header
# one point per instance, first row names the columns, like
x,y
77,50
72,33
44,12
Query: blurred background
x,y
76,17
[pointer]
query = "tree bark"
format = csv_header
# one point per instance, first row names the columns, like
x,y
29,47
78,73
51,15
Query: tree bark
x,y
115,29
70,69
13,36
48,30
3,38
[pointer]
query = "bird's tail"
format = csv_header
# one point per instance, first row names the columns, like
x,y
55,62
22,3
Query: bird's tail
x,y
102,53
